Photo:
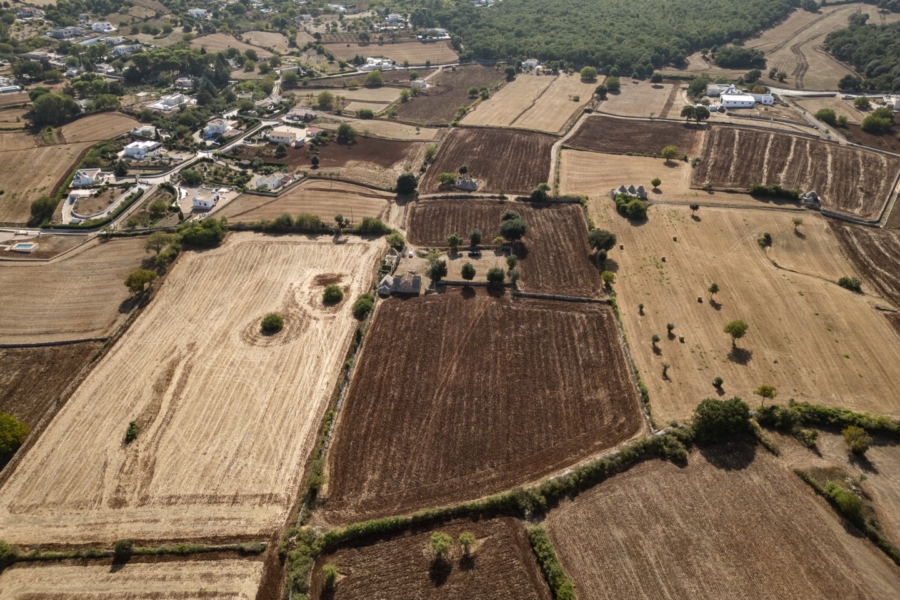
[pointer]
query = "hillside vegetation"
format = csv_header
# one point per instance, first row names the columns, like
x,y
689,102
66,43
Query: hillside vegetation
x,y
873,50
603,32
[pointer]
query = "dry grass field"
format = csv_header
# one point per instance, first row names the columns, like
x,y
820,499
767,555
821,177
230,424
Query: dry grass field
x,y
32,378
390,130
79,295
501,160
417,53
18,140
269,40
447,91
501,567
353,107
469,408
219,42
640,99
26,175
323,198
621,136
95,128
808,337
382,95
227,416
554,257
557,104
841,108
849,180
876,255
134,580
14,117
509,102
734,523
14,99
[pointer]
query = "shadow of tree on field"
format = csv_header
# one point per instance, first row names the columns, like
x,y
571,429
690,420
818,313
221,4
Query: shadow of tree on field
x,y
466,562
715,305
696,218
440,571
740,356
734,455
799,234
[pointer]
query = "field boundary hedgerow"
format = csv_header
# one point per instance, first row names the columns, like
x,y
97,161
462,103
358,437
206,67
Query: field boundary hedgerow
x,y
128,550
643,391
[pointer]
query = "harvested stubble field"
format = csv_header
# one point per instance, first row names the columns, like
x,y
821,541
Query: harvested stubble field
x,y
849,180
501,160
26,175
446,92
79,295
354,107
472,408
622,136
886,141
319,197
557,104
269,40
641,99
509,102
809,338
14,117
14,99
501,565
219,42
395,77
382,95
555,257
32,378
133,580
753,530
227,416
841,108
96,128
876,255
417,53
390,130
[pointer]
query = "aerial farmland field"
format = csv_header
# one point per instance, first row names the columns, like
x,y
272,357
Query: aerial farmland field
x,y
227,415
509,102
621,136
390,130
876,255
446,92
502,566
185,580
219,42
501,160
416,52
643,99
808,337
77,296
470,407
849,180
555,259
735,520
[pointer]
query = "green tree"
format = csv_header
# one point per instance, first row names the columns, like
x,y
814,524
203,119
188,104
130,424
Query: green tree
x,y
688,112
131,432
475,237
42,209
797,221
656,78
766,392
600,239
396,240
514,230
736,329
655,182
346,133
850,283
325,100
588,74
454,242
694,208
407,184
701,113
191,177
430,152
272,323
251,55
613,84
713,289
827,115
440,544
290,79
447,178
717,419
8,554
138,280
12,434
121,168
467,541
857,440
654,339
53,109
314,161
332,294
468,272
601,91
363,306
158,240
437,270
124,547
341,223
374,79
463,169
510,72
495,276
330,574
847,502
862,103
669,152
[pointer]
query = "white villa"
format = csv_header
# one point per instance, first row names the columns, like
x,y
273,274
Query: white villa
x,y
140,150
103,27
84,177
215,127
373,64
147,131
167,103
283,135
198,13
273,181
205,199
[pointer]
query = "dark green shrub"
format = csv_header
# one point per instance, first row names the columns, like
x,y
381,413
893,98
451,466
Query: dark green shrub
x,y
858,441
717,383
272,323
329,571
847,502
207,233
8,554
332,294
132,432
765,240
774,191
372,225
631,208
851,283
559,583
124,547
495,276
363,306
12,434
717,419
406,184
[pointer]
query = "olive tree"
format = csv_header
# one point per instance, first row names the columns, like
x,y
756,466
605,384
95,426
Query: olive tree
x,y
736,329
468,272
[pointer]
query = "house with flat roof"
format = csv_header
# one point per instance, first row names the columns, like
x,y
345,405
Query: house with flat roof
x,y
198,13
147,131
205,199
216,127
184,83
64,33
29,12
84,177
283,135
142,149
103,27
167,103
273,182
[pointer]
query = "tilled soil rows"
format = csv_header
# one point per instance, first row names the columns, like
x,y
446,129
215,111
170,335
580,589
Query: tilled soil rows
x,y
876,255
501,160
446,92
508,391
847,179
554,256
501,566
621,136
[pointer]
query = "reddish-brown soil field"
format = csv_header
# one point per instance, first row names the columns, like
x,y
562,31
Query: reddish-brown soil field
x,y
848,180
621,136
501,160
876,255
447,91
887,141
555,254
397,77
501,566
32,378
734,523
372,151
505,392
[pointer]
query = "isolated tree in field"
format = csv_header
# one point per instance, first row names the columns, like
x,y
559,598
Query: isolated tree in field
x,y
330,573
468,272
588,74
600,239
827,115
514,230
12,433
510,72
325,100
346,133
463,169
467,541
862,103
454,242
766,392
669,152
716,419
781,75
613,84
131,432
797,221
713,289
332,294
601,91
138,280
701,113
670,327
858,441
121,168
374,79
654,340
736,329
656,182
437,270
717,383
430,152
850,283
272,323
440,544
158,240
688,112
407,184
475,237
694,208
340,222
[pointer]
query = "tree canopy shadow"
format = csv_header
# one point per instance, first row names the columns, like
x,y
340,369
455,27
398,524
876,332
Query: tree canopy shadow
x,y
799,234
467,292
657,351
466,562
863,463
740,356
440,571
732,455
696,218
715,305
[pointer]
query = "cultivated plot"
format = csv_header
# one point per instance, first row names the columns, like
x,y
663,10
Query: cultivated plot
x,y
383,95
500,566
417,53
447,91
80,295
850,180
640,99
553,255
187,580
470,408
97,128
621,136
227,416
876,255
501,160
811,339
390,130
559,103
269,40
510,102
220,42
841,108
29,174
733,522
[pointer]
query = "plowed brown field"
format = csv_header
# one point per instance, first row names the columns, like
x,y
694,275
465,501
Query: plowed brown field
x,y
80,295
734,523
505,392
227,416
96,128
134,580
876,255
501,567
447,91
502,160
415,52
555,258
849,180
621,136
32,378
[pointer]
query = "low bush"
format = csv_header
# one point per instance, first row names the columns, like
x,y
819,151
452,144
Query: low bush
x,y
372,225
131,432
851,283
332,294
123,548
559,583
765,240
774,191
847,502
207,233
8,554
717,419
330,572
858,441
272,323
363,306
12,434
631,208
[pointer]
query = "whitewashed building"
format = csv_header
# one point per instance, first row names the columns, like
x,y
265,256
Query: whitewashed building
x,y
205,199
143,149
283,135
84,177
215,127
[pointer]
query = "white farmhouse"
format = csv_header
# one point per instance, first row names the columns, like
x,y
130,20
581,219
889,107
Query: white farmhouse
x,y
198,13
737,100
205,199
167,103
103,27
85,177
143,149
146,131
215,127
283,135
373,64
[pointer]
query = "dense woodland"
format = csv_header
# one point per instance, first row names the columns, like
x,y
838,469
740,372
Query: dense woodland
x,y
873,50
